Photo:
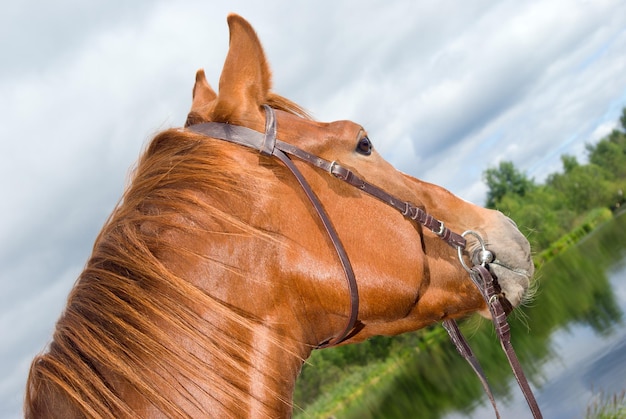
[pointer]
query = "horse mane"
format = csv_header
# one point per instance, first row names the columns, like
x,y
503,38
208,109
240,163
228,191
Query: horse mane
x,y
113,332
284,104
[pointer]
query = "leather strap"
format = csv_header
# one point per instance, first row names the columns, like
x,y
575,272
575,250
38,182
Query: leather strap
x,y
267,145
466,352
259,141
484,280
339,248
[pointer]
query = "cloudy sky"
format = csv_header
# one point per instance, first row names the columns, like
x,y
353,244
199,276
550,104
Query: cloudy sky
x,y
445,88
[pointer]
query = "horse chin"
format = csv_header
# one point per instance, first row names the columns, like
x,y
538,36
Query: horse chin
x,y
513,282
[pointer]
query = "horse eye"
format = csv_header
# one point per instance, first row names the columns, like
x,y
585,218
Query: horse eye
x,y
364,147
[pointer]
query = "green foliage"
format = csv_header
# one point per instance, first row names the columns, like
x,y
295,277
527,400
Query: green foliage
x,y
583,187
612,407
609,154
592,220
325,368
549,211
506,179
569,163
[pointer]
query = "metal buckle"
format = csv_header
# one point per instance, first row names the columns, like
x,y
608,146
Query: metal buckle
x,y
331,167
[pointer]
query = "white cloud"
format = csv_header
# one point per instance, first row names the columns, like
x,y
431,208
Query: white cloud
x,y
603,130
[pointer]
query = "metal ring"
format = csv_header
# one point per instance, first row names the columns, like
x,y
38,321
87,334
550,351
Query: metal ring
x,y
475,234
460,253
460,249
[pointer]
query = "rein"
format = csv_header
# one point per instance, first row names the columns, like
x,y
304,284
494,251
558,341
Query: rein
x,y
268,145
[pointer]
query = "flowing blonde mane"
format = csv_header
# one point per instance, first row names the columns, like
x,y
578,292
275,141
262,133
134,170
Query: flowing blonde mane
x,y
127,297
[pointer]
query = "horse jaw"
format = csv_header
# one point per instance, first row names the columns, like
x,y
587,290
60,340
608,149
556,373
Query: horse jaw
x,y
513,265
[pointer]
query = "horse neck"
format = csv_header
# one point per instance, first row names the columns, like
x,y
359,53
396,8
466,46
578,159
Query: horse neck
x,y
247,354
257,350
273,373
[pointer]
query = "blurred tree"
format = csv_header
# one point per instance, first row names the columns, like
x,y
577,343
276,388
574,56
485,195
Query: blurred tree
x,y
569,162
582,187
542,215
610,154
505,179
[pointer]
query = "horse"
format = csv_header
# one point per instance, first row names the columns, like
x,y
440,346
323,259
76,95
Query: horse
x,y
216,276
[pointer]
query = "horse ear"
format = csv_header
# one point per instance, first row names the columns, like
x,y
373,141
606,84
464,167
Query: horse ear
x,y
203,97
246,79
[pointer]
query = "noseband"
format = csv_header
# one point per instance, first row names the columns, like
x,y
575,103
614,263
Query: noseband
x,y
268,145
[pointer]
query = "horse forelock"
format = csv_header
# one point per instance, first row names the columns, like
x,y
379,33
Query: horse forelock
x,y
134,328
275,101
284,104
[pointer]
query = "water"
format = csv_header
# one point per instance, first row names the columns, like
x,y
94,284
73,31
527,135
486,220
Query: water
x,y
589,349
572,346
587,363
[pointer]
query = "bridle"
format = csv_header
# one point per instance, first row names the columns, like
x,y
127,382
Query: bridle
x,y
268,145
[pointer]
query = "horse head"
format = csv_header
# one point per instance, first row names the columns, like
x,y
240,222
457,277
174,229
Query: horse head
x,y
214,278
407,278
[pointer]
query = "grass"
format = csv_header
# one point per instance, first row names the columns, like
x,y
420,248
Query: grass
x,y
589,222
350,389
607,407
